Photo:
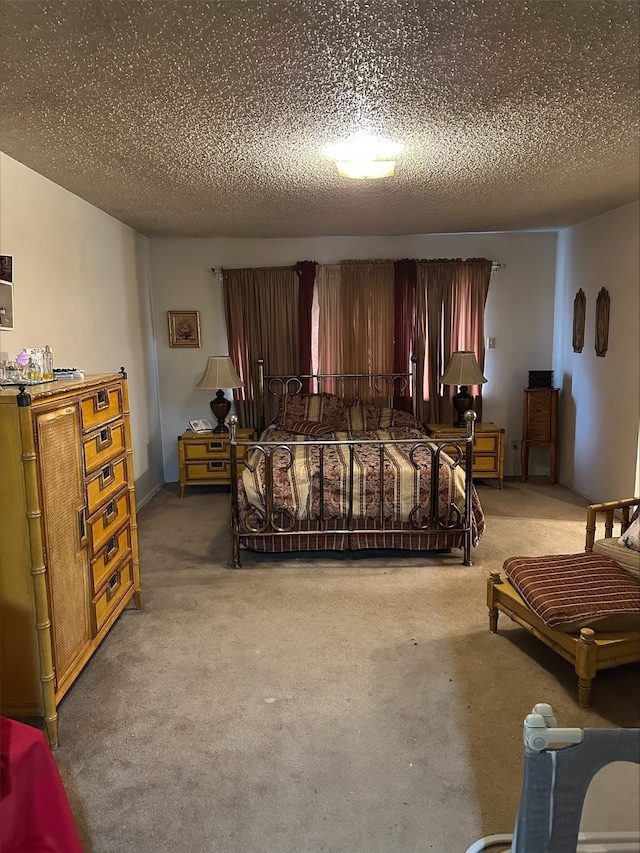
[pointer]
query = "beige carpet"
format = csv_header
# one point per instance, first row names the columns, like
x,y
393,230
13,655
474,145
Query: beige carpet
x,y
349,703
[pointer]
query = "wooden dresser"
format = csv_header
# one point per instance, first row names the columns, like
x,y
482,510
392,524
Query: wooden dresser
x,y
539,427
488,447
204,458
69,558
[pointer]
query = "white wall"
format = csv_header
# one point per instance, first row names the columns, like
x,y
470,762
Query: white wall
x,y
81,285
519,312
600,412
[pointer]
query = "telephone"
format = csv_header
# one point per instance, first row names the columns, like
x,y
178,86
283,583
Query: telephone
x,y
200,425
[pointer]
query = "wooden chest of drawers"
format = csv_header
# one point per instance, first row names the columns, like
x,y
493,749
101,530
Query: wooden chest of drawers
x,y
69,558
205,459
539,426
488,448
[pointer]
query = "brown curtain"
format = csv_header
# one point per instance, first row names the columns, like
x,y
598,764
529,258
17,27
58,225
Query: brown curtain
x,y
306,272
262,316
450,302
356,320
404,313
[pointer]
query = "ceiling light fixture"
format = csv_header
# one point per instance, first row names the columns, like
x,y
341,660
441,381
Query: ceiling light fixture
x,y
363,156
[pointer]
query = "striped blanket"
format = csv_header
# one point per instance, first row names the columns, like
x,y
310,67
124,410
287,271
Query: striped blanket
x,y
350,477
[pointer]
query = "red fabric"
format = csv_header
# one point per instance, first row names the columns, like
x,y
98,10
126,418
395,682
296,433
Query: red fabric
x,y
35,816
404,308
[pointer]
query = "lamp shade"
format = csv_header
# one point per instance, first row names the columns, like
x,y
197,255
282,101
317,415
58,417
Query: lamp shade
x,y
463,369
219,373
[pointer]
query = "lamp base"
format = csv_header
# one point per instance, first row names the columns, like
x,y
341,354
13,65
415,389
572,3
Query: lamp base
x,y
220,408
462,401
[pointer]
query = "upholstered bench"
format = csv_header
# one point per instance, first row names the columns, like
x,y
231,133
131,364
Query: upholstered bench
x,y
586,607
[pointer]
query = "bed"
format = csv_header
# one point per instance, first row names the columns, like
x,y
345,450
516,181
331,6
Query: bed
x,y
586,607
346,469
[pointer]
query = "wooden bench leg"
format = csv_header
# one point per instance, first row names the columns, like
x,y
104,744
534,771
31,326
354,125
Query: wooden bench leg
x,y
586,651
494,580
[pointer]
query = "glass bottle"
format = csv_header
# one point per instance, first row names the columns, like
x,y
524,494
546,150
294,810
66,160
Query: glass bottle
x,y
47,363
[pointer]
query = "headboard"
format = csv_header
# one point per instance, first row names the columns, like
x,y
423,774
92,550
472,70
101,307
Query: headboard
x,y
384,389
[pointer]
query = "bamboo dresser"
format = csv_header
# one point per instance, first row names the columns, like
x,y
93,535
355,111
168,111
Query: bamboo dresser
x,y
68,535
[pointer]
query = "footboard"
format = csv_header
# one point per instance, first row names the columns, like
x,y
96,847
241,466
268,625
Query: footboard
x,y
319,494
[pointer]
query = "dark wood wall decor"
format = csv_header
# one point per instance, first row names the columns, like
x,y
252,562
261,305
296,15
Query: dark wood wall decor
x,y
579,308
602,322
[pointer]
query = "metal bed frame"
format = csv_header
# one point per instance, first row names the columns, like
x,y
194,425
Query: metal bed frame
x,y
281,523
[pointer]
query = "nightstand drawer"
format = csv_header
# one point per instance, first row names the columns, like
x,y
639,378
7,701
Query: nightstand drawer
x,y
485,444
485,464
214,447
209,470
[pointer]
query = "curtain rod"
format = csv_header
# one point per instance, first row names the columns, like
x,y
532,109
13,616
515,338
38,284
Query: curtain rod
x,y
496,266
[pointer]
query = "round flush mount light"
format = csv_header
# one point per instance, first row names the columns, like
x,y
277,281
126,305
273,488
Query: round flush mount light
x,y
363,156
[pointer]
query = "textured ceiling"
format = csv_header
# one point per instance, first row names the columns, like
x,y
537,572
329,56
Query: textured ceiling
x,y
206,118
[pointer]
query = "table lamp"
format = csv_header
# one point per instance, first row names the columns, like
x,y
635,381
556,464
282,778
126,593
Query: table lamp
x,y
462,370
220,373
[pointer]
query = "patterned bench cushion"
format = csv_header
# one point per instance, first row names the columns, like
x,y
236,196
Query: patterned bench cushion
x,y
573,591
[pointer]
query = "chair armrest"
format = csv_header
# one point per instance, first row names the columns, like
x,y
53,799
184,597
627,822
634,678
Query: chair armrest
x,y
608,509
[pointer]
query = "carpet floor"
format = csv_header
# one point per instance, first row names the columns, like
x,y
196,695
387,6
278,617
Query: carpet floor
x,y
346,703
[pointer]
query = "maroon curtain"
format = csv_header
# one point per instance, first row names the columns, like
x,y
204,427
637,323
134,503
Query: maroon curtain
x,y
306,272
404,312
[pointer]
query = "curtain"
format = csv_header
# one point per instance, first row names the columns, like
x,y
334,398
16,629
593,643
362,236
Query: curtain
x,y
404,325
331,319
306,272
450,302
262,317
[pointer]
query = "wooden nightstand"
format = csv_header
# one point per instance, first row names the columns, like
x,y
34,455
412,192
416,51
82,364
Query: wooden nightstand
x,y
488,448
205,459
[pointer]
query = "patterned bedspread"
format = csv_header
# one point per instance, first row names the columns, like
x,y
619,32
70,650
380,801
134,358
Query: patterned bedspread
x,y
342,481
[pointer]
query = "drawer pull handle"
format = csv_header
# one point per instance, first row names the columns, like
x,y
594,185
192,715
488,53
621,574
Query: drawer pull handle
x,y
112,586
101,400
110,511
216,466
106,476
215,445
82,527
112,545
104,439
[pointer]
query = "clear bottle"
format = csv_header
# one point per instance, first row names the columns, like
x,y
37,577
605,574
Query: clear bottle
x,y
47,363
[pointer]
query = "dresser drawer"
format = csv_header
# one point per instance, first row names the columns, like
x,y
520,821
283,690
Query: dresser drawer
x,y
101,406
209,470
115,589
102,446
105,523
115,549
105,483
211,449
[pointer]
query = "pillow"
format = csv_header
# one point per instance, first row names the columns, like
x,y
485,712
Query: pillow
x,y
328,408
626,558
631,537
313,428
573,591
367,417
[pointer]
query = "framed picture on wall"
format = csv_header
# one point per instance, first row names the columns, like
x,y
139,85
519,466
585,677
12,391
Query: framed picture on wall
x,y
6,292
184,328
6,268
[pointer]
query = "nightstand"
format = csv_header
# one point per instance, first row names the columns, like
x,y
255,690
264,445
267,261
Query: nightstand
x,y
488,448
205,458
